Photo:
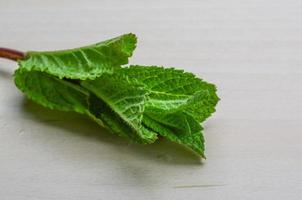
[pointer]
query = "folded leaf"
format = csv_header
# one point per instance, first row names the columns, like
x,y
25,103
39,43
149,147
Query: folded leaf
x,y
125,99
173,90
177,102
51,92
194,140
83,63
55,93
110,119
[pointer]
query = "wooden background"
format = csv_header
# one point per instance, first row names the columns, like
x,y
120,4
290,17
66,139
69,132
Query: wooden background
x,y
252,50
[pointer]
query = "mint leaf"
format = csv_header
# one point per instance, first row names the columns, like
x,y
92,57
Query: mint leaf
x,y
135,102
177,102
172,90
51,92
83,63
100,111
126,101
194,140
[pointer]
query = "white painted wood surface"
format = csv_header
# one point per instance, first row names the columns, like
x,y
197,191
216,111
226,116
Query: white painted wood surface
x,y
252,49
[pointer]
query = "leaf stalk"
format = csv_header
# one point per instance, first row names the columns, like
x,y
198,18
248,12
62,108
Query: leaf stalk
x,y
11,54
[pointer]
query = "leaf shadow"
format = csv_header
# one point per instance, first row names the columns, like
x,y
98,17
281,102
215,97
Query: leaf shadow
x,y
162,151
4,74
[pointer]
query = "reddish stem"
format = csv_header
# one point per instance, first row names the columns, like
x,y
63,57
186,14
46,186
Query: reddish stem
x,y
11,54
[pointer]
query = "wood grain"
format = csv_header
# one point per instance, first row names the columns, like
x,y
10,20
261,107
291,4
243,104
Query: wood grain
x,y
251,49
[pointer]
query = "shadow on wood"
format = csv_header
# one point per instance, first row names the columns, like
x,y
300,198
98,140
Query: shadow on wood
x,y
161,151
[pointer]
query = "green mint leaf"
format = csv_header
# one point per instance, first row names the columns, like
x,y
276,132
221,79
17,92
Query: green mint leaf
x,y
114,123
173,90
83,63
50,91
194,140
135,102
124,99
177,102
63,95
